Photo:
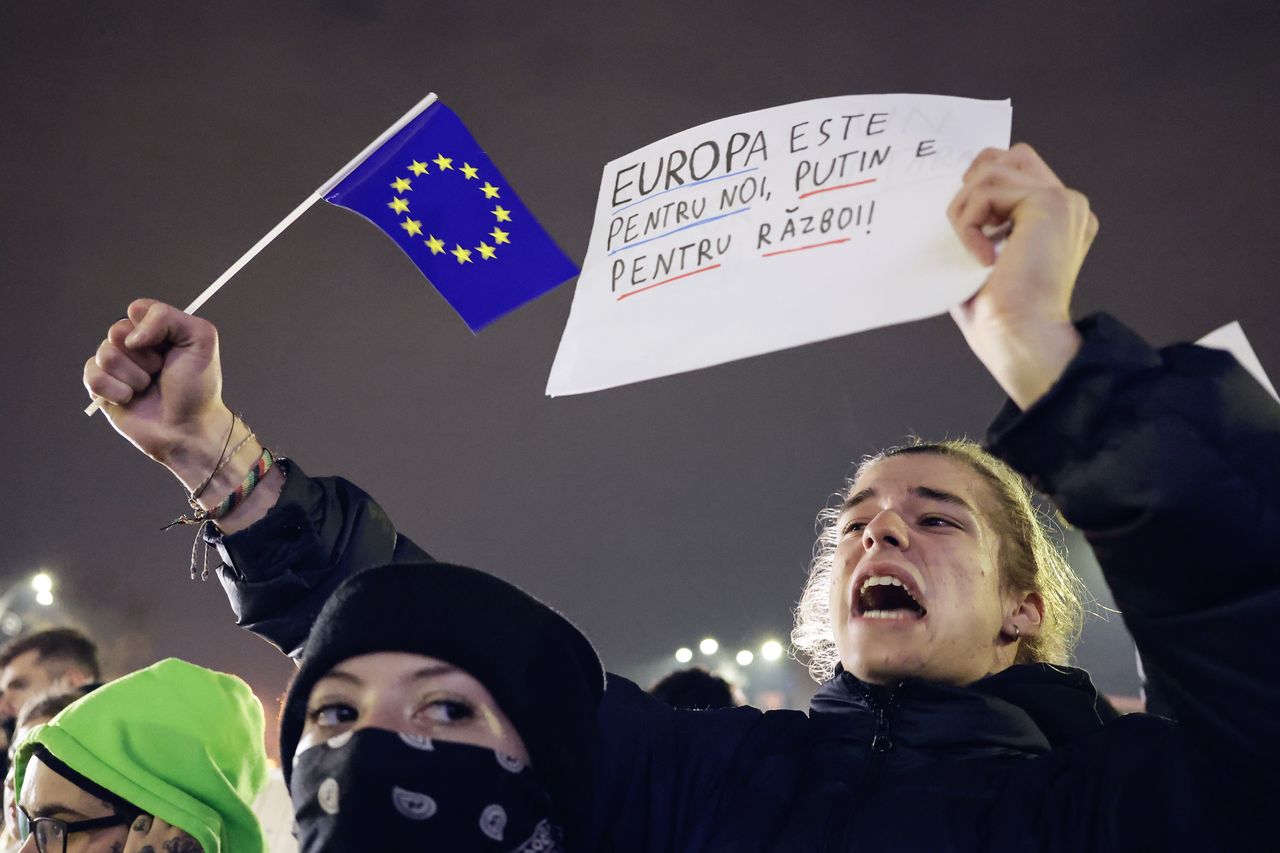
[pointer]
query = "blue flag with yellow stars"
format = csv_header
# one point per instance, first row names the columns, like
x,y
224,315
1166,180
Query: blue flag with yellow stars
x,y
433,190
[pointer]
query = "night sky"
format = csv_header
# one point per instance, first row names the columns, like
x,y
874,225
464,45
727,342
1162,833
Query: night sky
x,y
148,144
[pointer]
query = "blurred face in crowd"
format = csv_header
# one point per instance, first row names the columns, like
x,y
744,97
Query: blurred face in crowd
x,y
408,693
10,796
47,794
916,588
27,675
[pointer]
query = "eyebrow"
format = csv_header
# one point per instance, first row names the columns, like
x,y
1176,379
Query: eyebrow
x,y
55,808
433,671
925,492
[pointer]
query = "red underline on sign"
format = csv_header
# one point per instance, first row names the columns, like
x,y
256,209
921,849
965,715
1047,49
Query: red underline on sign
x,y
668,281
802,248
840,187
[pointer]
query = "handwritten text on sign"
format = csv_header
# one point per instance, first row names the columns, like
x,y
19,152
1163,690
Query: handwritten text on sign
x,y
773,229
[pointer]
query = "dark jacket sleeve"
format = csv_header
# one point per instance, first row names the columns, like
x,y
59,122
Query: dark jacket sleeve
x,y
279,571
671,781
1168,462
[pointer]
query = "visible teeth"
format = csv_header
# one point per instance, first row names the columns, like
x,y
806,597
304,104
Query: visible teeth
x,y
885,614
881,580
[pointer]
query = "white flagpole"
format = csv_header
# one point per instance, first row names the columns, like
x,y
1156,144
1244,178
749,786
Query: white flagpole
x,y
315,196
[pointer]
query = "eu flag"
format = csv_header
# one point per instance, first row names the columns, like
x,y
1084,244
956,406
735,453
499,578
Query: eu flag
x,y
433,190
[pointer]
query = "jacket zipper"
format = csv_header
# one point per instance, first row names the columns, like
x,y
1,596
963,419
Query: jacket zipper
x,y
839,829
882,740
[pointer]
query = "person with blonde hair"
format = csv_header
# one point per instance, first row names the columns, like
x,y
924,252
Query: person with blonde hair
x,y
1030,557
939,615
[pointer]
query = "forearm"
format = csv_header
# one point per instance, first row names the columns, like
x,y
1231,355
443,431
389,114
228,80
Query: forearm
x,y
1167,462
215,459
280,569
1025,360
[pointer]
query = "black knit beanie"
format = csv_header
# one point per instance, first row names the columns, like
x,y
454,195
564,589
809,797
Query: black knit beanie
x,y
540,669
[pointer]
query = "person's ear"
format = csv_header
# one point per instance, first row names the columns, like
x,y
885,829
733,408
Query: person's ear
x,y
1025,617
72,678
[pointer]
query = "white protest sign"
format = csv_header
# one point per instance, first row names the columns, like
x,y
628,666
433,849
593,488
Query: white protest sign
x,y
1231,338
773,229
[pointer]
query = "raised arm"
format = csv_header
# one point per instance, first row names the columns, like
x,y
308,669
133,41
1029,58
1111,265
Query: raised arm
x,y
160,380
294,538
1166,460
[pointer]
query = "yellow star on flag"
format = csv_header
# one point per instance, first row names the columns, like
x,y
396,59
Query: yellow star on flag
x,y
413,226
463,255
502,213
435,244
489,190
470,171
399,205
401,184
500,236
418,168
443,162
486,251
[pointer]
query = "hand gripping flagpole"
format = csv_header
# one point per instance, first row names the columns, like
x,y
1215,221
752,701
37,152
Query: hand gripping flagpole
x,y
315,196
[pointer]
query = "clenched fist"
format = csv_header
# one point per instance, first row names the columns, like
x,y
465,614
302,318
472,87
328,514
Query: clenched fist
x,y
1018,323
159,378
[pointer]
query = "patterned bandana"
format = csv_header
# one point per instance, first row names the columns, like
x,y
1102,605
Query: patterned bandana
x,y
375,789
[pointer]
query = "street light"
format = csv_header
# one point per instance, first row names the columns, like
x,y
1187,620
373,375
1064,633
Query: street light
x,y
708,646
771,650
23,606
684,655
43,585
745,658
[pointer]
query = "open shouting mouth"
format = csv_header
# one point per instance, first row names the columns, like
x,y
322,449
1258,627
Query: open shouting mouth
x,y
880,594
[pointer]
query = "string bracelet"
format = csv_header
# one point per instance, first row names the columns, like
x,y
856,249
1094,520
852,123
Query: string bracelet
x,y
195,493
198,513
251,480
192,498
265,462
202,517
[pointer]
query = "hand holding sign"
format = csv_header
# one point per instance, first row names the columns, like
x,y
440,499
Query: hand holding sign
x,y
773,229
1019,322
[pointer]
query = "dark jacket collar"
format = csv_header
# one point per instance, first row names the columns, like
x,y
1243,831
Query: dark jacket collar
x,y
1027,709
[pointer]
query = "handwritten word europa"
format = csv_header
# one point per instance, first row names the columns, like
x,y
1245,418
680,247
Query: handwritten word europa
x,y
688,165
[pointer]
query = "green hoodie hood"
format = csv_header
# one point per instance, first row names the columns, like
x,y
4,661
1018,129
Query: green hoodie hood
x,y
178,741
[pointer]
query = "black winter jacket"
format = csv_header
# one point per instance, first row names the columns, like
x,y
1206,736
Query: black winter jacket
x,y
1168,461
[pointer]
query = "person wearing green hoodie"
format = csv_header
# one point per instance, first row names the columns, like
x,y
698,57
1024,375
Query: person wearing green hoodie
x,y
168,758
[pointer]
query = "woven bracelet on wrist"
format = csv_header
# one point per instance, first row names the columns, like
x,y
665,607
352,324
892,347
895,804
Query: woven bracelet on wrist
x,y
251,481
266,461
192,499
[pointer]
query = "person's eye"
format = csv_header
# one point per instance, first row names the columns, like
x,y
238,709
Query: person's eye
x,y
448,710
852,527
938,521
332,714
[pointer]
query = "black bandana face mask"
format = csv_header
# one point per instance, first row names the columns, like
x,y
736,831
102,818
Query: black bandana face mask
x,y
374,790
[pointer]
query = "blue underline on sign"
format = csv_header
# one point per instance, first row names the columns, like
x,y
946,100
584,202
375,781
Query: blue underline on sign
x,y
677,230
686,186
